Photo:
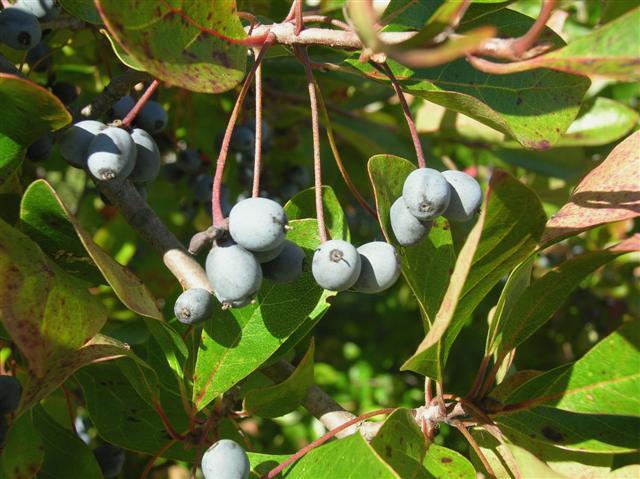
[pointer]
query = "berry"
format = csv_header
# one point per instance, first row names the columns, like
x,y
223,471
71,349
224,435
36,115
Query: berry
x,y
466,196
269,255
380,267
152,117
74,143
189,160
193,306
123,106
243,139
426,193
147,164
110,458
234,274
336,265
10,392
39,58
112,154
258,224
44,10
287,266
225,459
65,91
19,29
39,150
202,188
407,229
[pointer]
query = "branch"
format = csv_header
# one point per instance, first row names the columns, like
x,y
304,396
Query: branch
x,y
116,89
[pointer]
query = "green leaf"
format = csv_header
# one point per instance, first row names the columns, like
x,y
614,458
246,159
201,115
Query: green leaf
x,y
534,107
100,348
47,312
122,55
29,111
600,121
532,467
544,296
502,391
598,433
237,342
610,51
606,380
401,444
351,457
303,205
45,218
23,452
608,193
280,399
507,238
83,9
172,346
65,455
443,463
426,265
194,46
124,418
262,463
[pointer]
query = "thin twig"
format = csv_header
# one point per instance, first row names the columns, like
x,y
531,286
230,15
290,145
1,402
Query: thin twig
x,y
298,15
315,128
257,164
72,418
165,421
127,120
407,115
336,155
277,470
477,383
216,209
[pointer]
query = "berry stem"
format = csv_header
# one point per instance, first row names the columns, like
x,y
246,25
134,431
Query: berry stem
x,y
277,470
526,41
460,427
156,456
216,209
477,383
315,128
127,120
257,163
336,155
407,115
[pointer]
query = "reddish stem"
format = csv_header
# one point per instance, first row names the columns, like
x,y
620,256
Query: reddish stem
x,y
315,128
257,164
299,18
127,120
216,209
336,155
491,377
407,115
277,470
152,461
477,383
427,391
165,421
67,397
526,41
467,435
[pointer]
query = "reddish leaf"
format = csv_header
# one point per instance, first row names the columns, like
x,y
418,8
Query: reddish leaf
x,y
610,192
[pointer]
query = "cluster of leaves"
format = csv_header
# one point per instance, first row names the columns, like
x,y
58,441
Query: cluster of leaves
x,y
88,338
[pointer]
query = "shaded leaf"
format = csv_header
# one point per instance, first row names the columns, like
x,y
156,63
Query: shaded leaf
x,y
45,218
606,380
47,312
425,266
401,444
83,9
610,192
29,111
502,391
191,46
284,397
23,452
65,455
237,342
